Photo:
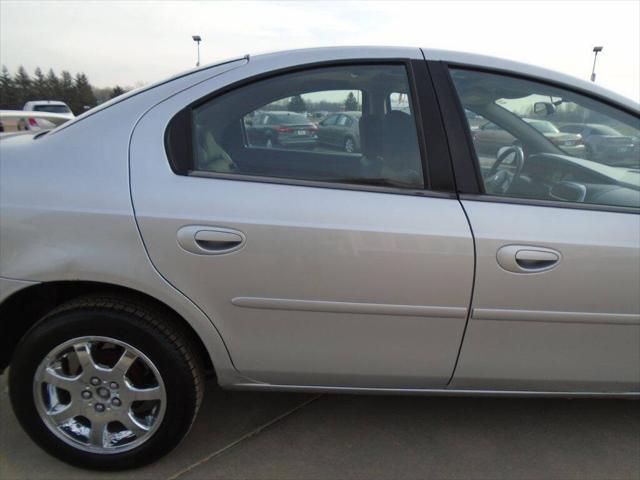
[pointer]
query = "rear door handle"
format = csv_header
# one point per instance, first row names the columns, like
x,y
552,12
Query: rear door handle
x,y
527,258
205,240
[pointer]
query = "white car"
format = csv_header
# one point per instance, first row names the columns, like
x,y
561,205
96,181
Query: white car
x,y
60,110
149,242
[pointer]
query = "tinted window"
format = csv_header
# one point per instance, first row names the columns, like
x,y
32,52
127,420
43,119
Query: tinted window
x,y
343,121
542,126
330,120
550,143
399,101
270,128
604,130
51,108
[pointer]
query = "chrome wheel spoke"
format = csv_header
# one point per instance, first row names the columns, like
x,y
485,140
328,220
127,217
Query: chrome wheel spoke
x,y
125,361
133,425
83,353
69,384
98,429
142,394
63,415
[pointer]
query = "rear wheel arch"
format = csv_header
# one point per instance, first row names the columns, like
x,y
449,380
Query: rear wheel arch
x,y
33,303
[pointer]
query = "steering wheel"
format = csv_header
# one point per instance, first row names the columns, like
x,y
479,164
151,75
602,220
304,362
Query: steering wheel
x,y
498,179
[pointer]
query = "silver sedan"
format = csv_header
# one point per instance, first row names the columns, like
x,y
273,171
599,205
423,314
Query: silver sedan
x,y
148,243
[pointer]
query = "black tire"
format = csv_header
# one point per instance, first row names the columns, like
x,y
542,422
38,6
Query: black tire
x,y
142,325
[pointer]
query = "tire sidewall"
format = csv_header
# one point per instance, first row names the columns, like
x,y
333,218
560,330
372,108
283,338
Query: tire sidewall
x,y
174,370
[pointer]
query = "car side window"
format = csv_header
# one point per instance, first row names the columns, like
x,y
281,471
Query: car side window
x,y
541,142
399,101
343,121
283,127
328,121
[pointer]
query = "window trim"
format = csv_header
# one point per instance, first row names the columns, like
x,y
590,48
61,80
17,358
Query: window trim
x,y
239,177
438,182
548,203
465,159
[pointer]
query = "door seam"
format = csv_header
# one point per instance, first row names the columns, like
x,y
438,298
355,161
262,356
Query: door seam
x,y
473,286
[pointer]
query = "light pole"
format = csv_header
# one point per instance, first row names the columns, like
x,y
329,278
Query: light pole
x,y
596,50
197,39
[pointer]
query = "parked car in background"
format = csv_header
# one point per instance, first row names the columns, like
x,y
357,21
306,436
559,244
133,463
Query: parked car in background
x,y
341,130
317,116
281,129
150,243
49,106
570,143
604,143
60,113
489,137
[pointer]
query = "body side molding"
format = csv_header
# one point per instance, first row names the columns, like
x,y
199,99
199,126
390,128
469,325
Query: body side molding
x,y
551,316
350,307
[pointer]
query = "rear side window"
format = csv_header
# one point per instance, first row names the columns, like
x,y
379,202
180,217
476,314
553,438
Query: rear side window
x,y
291,127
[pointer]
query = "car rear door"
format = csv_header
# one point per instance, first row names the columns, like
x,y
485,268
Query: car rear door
x,y
555,304
331,280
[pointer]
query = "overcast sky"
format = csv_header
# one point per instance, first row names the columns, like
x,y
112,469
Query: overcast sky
x,y
129,42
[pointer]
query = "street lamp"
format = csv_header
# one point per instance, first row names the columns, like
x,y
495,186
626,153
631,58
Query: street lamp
x,y
197,39
596,50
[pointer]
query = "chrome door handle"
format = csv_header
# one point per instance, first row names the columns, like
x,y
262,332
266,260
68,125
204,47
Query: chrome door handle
x,y
527,258
204,240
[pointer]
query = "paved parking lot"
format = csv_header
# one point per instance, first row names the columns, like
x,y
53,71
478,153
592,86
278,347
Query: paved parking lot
x,y
249,435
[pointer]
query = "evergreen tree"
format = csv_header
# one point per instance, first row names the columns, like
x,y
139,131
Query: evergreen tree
x,y
67,91
22,82
117,91
296,104
8,94
351,103
53,86
39,88
84,97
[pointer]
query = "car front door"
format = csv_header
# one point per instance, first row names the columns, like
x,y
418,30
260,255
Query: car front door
x,y
315,269
555,304
326,130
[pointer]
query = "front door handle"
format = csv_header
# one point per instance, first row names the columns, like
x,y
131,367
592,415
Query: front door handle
x,y
205,240
527,258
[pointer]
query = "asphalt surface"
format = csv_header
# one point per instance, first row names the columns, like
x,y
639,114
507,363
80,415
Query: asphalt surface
x,y
246,435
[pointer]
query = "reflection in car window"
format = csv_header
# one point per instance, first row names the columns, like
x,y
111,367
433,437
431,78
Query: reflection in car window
x,y
330,124
537,141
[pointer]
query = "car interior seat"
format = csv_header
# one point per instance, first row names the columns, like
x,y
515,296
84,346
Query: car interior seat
x,y
210,155
400,150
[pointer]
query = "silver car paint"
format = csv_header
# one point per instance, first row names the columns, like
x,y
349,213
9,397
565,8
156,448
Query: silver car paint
x,y
47,234
334,287
97,240
573,327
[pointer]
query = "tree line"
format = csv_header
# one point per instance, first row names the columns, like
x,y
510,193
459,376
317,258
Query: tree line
x,y
76,91
300,105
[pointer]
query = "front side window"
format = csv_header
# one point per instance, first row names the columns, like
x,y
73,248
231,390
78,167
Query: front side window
x,y
537,141
330,124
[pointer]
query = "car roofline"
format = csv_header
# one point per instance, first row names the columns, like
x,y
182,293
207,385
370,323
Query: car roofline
x,y
509,66
458,58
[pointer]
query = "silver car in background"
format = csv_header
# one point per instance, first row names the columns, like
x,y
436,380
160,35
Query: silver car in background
x,y
149,243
